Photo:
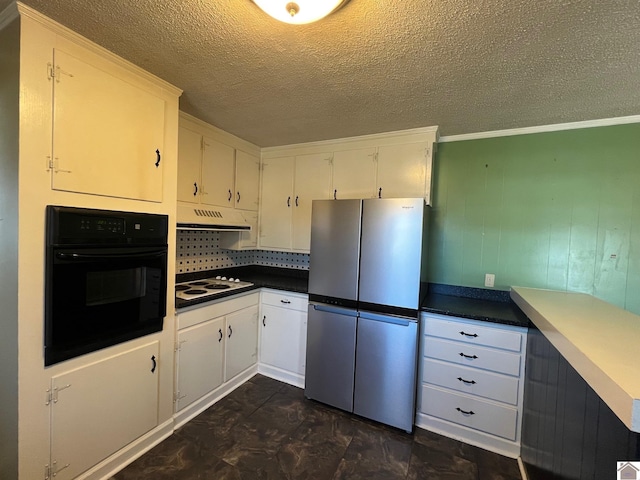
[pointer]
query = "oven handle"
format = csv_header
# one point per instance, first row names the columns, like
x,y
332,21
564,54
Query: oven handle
x,y
108,256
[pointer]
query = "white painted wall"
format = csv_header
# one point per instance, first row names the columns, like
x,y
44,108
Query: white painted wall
x,y
9,95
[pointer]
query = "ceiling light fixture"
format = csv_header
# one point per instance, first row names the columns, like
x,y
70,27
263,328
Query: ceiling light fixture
x,y
299,11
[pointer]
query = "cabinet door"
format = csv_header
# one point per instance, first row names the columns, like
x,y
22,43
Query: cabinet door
x,y
354,173
404,170
247,181
189,161
217,173
242,341
199,361
108,134
283,338
312,182
99,408
276,206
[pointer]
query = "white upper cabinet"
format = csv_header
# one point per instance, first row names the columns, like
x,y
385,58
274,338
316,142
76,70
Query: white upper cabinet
x,y
216,168
189,168
275,204
217,173
289,185
108,131
354,173
247,195
405,170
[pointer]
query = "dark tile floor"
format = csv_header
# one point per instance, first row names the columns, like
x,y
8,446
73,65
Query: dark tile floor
x,y
267,430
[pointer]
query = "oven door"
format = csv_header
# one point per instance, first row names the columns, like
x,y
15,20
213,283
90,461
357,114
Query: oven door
x,y
98,297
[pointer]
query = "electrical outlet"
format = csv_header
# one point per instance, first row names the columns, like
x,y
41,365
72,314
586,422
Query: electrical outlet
x,y
489,279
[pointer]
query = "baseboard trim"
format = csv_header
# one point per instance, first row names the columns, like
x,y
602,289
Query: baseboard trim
x,y
123,457
285,376
523,470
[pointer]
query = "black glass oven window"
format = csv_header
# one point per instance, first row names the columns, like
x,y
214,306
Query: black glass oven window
x,y
113,286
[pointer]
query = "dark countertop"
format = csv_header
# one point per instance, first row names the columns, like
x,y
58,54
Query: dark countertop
x,y
482,304
286,279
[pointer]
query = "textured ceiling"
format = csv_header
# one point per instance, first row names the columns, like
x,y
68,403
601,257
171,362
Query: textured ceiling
x,y
377,65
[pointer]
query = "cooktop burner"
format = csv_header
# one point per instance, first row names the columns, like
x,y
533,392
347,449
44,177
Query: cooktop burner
x,y
208,287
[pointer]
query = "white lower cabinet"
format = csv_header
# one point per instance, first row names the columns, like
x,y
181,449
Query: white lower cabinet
x,y
216,343
283,335
472,381
99,408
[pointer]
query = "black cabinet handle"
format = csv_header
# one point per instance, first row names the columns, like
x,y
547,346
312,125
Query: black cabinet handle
x,y
238,195
157,158
263,321
285,301
230,196
335,194
220,332
468,334
296,200
472,357
230,331
468,382
153,361
195,188
470,412
380,192
288,201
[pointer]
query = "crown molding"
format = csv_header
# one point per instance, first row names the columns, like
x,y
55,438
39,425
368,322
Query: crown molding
x,y
604,122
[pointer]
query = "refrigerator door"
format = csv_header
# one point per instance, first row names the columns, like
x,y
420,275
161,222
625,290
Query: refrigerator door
x,y
335,248
386,367
391,251
331,351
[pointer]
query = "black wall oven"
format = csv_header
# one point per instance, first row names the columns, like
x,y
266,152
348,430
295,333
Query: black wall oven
x,y
106,279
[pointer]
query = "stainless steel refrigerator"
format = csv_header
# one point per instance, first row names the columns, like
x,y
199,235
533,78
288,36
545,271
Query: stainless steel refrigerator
x,y
365,276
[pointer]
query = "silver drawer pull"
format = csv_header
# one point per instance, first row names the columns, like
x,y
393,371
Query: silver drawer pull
x,y
470,412
465,334
468,382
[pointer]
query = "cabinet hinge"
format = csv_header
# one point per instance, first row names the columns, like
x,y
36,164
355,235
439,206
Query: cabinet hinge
x,y
51,396
178,346
177,397
51,471
51,73
47,472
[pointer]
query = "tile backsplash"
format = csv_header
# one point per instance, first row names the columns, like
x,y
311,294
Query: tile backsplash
x,y
200,250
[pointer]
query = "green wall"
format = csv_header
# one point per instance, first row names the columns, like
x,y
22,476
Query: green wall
x,y
557,210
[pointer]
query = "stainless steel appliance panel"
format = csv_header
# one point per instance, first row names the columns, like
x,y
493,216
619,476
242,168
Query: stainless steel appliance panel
x,y
386,368
335,248
331,347
391,251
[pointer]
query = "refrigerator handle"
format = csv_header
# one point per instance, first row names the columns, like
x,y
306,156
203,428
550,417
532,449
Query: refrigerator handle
x,y
330,309
402,321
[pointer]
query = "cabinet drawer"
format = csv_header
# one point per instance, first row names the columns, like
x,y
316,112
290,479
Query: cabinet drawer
x,y
288,300
222,307
499,420
472,356
473,333
471,381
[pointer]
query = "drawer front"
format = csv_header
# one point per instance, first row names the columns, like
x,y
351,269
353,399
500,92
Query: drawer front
x,y
473,333
224,306
472,356
499,420
288,300
471,381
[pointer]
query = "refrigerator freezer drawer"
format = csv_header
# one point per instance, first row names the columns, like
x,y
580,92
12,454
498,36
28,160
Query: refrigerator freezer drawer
x,y
385,383
331,347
